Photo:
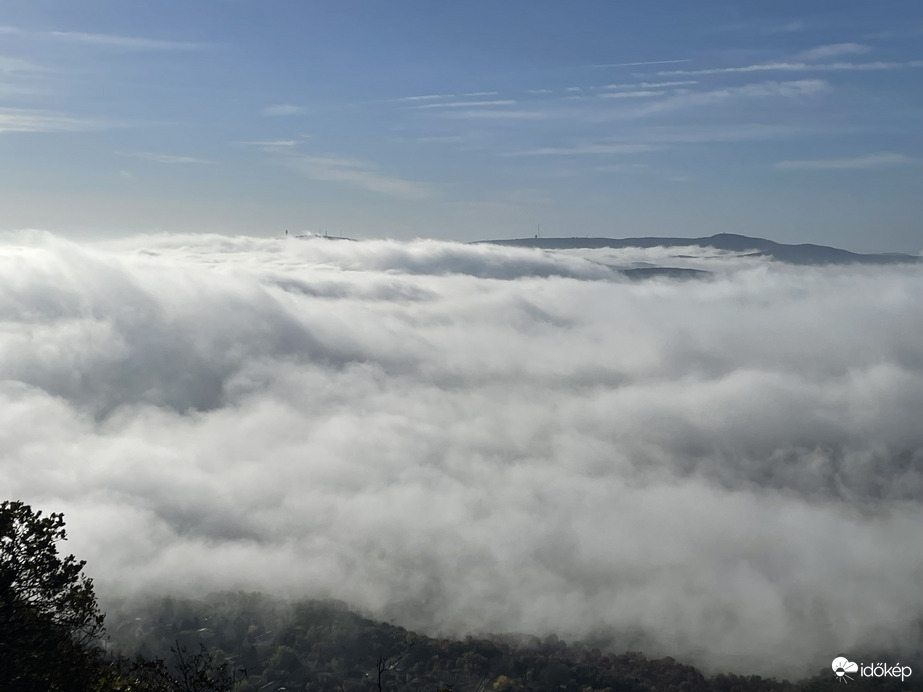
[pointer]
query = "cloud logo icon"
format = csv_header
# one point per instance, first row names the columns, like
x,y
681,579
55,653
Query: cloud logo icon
x,y
841,666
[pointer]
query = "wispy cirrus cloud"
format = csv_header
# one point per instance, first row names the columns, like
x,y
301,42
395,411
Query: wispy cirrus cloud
x,y
654,101
445,139
488,114
106,40
906,32
799,67
157,157
17,120
802,87
17,90
649,139
707,134
622,167
125,42
355,173
833,50
789,28
269,143
760,27
281,109
651,85
424,97
880,160
638,64
631,94
593,149
10,65
663,85
467,104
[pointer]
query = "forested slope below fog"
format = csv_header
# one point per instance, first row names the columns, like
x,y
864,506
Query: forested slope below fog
x,y
324,645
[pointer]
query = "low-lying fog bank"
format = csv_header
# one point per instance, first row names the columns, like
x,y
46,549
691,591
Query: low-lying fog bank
x,y
472,438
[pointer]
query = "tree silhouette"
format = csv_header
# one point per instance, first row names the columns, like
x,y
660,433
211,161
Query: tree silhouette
x,y
50,622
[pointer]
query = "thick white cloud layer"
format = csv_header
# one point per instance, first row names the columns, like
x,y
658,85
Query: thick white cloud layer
x,y
474,438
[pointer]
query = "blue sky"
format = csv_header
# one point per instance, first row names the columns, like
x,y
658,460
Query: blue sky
x,y
796,121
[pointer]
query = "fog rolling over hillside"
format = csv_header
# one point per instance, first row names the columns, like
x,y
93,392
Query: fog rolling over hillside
x,y
476,438
806,253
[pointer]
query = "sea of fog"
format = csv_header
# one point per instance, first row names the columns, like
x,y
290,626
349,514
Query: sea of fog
x,y
474,438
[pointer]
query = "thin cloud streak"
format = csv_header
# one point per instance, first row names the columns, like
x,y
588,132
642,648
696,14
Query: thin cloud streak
x,y
107,40
832,51
357,174
631,94
882,160
281,109
126,42
484,114
164,158
646,62
18,120
467,104
800,67
10,65
793,89
729,133
651,85
792,27
597,149
665,102
269,143
425,97
658,85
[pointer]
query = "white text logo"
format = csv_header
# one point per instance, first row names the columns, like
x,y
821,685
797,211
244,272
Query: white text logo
x,y
842,666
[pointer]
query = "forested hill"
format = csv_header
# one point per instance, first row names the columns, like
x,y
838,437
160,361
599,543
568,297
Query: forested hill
x,y
323,645
793,254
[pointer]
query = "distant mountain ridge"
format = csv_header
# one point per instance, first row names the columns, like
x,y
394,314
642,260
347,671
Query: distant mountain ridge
x,y
807,253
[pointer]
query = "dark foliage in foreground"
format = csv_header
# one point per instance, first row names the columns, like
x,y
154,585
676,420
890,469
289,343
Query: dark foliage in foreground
x,y
49,620
51,627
